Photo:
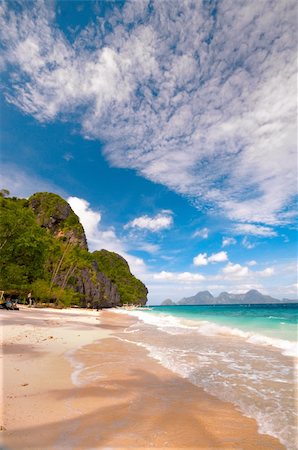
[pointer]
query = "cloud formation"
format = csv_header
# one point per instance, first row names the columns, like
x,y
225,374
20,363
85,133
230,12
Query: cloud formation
x,y
202,233
196,96
176,276
202,259
228,241
218,257
161,221
237,271
254,230
247,243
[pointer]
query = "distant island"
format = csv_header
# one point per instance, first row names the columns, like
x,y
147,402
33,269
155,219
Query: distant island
x,y
225,298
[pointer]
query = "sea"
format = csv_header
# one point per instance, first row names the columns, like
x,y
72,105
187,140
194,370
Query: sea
x,y
244,354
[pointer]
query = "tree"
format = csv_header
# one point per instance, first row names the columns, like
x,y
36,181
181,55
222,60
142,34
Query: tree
x,y
23,246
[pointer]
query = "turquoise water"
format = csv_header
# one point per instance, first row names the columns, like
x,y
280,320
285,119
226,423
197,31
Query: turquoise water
x,y
278,321
243,354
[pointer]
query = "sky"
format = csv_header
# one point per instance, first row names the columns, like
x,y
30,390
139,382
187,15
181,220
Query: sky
x,y
169,126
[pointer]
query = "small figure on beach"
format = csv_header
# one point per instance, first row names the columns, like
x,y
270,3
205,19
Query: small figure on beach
x,y
7,304
29,298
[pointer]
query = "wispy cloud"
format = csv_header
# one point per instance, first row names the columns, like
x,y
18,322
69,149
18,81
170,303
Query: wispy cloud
x,y
68,156
228,241
254,230
23,183
175,94
247,243
146,247
202,233
159,222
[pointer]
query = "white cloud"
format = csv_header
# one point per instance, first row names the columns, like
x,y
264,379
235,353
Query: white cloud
x,y
163,275
218,257
254,230
202,259
228,241
203,233
176,276
89,219
157,223
235,270
252,263
172,95
268,272
187,276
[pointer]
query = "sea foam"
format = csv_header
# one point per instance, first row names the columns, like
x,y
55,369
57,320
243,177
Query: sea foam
x,y
249,369
176,325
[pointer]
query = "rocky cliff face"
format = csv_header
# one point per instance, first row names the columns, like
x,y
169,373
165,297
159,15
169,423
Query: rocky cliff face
x,y
114,266
98,293
102,279
56,215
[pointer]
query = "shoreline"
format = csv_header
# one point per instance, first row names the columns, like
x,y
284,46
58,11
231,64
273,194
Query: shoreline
x,y
120,396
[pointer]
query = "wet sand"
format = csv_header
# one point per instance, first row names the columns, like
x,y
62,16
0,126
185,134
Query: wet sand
x,y
69,382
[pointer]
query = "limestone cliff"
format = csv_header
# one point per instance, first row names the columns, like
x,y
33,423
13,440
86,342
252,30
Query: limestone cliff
x,y
55,214
114,266
101,279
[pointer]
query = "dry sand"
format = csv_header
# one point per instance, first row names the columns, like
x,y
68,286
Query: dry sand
x,y
68,382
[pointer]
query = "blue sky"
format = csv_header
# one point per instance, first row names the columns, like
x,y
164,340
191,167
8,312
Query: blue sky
x,y
171,129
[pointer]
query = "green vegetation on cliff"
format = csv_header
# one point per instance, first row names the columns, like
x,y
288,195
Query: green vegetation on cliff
x,y
43,249
117,270
24,245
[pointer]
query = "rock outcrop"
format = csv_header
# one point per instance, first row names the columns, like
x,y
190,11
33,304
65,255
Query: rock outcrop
x,y
54,262
55,214
114,266
98,293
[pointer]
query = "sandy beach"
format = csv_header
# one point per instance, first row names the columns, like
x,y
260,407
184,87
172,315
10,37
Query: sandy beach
x,y
70,381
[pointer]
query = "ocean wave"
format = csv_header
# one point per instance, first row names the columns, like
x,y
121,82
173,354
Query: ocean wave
x,y
230,385
176,325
